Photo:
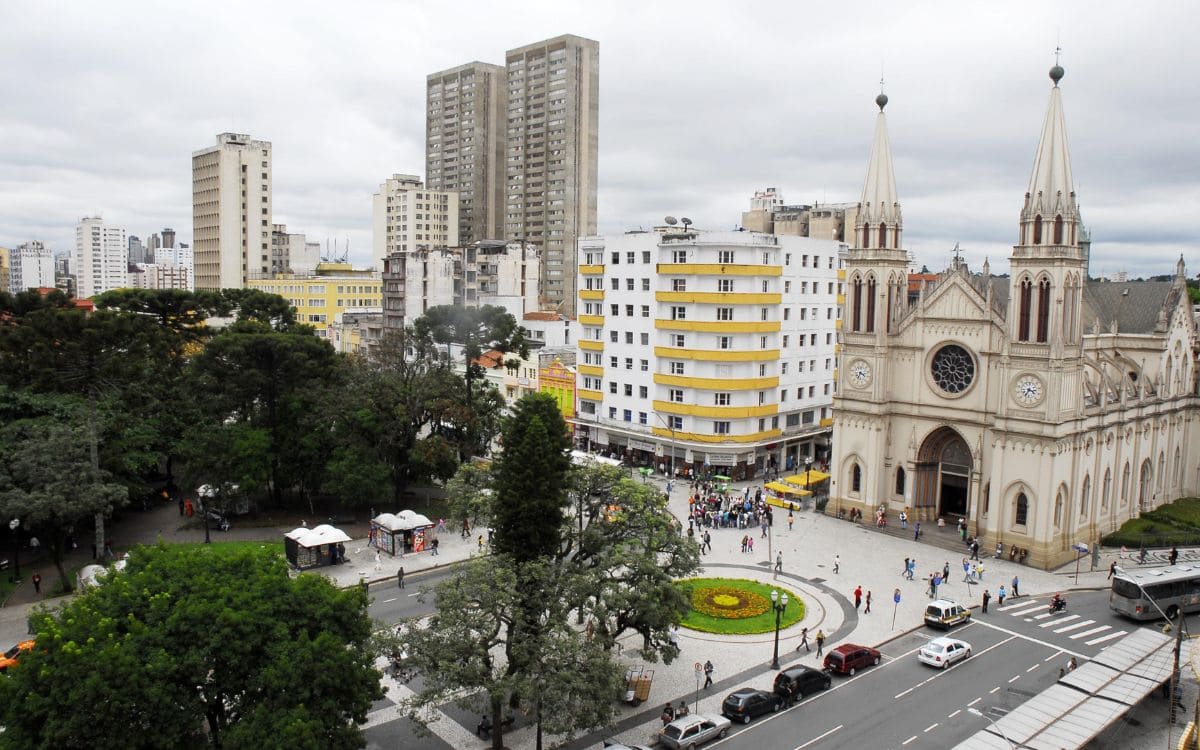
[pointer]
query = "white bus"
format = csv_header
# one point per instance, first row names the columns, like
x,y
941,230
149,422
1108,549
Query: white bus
x,y
1174,588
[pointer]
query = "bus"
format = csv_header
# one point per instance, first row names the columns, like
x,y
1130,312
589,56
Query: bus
x,y
1174,589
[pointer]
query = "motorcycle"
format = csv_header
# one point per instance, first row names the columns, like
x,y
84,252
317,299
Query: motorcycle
x,y
1058,605
218,521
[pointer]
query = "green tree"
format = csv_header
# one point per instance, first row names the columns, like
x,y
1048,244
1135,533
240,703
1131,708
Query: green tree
x,y
531,480
188,648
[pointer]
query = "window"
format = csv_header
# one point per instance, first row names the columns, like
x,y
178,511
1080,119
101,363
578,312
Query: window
x,y
783,395
645,285
725,256
1058,509
787,287
645,365
643,391
645,339
612,387
785,340
764,286
900,480
678,339
645,311
616,310
616,285
629,363
616,258
783,367
629,284
764,314
762,342
679,256
678,285
612,412
720,428
628,415
1083,497
628,389
1022,510
762,397
678,312
722,399
675,423
724,342
613,336
676,368
642,417
629,337
724,313
675,395
612,362
631,258
629,310
856,478
724,285
645,256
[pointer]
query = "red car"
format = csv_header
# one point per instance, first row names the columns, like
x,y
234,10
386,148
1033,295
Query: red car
x,y
849,658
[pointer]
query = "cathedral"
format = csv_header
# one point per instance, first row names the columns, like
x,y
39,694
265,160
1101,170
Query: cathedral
x,y
1043,408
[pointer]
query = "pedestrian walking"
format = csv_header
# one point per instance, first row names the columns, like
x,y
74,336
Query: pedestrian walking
x,y
673,636
668,714
987,596
903,519
916,531
1016,587
778,562
1172,556
708,540
764,528
905,571
750,544
480,542
966,570
803,640
708,671
857,598
744,544
37,583
946,573
820,642
837,563
400,577
1112,569
912,568
975,549
1000,595
868,609
434,551
791,518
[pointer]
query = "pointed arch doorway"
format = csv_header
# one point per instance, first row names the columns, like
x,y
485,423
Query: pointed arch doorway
x,y
942,483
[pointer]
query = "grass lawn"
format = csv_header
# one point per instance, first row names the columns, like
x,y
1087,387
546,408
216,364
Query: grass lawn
x,y
1175,523
754,591
231,548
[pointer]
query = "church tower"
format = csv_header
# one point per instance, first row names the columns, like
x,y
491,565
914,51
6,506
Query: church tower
x,y
1049,261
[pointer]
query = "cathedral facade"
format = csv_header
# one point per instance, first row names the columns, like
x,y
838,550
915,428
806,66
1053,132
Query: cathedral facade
x,y
1042,407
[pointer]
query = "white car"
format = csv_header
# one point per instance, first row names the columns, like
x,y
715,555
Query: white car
x,y
693,730
942,652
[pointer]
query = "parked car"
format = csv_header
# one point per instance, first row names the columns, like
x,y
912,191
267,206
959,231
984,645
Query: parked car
x,y
745,703
942,652
692,731
848,658
10,656
794,683
943,613
615,745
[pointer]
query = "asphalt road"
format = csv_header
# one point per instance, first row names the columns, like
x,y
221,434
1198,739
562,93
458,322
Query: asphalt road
x,y
1017,651
390,603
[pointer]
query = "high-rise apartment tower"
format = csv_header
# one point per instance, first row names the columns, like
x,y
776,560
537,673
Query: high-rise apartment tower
x,y
101,257
231,211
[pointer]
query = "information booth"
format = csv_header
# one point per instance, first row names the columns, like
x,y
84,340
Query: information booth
x,y
312,548
401,533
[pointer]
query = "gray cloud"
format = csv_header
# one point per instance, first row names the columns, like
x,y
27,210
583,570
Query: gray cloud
x,y
701,104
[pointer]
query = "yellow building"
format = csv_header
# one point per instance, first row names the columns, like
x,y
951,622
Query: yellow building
x,y
331,289
558,380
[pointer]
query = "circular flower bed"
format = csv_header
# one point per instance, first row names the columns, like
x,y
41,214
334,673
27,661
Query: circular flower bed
x,y
736,606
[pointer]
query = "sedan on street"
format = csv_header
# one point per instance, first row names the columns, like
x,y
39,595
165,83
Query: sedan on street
x,y
942,652
746,703
692,731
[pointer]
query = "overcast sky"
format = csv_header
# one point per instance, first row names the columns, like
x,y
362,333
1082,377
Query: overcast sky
x,y
701,103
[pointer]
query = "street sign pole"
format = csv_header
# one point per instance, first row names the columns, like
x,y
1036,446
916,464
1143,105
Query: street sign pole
x,y
895,605
696,697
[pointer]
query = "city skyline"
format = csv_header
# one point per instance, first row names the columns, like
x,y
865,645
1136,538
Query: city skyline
x,y
701,105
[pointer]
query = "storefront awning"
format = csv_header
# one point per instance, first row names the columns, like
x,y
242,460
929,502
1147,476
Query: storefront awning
x,y
803,480
784,489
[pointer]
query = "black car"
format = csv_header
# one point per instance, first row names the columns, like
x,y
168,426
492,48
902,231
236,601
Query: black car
x,y
745,703
794,683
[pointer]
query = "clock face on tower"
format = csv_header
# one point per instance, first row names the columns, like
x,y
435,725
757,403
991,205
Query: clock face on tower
x,y
860,373
1028,390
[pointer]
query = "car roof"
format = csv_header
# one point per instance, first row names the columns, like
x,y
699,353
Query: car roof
x,y
798,669
745,691
944,640
943,603
846,648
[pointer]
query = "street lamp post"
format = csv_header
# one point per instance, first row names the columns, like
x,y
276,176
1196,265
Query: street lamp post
x,y
977,712
779,604
14,526
669,423
808,475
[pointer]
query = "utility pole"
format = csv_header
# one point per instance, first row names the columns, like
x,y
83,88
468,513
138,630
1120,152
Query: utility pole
x,y
1174,677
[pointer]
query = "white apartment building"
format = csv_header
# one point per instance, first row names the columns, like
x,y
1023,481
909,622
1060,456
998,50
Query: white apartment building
x,y
31,266
100,260
707,348
407,216
231,211
160,276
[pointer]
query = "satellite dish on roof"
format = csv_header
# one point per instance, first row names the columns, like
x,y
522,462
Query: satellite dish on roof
x,y
671,220
686,222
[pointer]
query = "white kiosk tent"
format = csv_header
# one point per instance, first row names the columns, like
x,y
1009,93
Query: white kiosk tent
x,y
311,548
398,533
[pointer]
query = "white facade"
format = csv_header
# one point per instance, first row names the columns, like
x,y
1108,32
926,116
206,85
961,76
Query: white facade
x,y
407,216
100,260
160,276
231,211
682,347
550,329
32,267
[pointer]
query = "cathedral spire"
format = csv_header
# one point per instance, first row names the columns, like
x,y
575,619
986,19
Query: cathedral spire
x,y
1051,194
879,224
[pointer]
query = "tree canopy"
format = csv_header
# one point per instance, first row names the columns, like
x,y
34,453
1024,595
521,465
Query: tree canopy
x,y
193,648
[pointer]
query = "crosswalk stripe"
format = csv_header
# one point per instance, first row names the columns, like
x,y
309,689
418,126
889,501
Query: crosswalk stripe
x,y
1060,621
1104,638
1093,631
1023,607
1042,616
1076,626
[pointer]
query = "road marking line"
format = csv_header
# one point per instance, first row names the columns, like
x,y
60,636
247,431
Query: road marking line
x,y
1014,679
993,690
1076,626
818,739
1022,608
1104,638
1015,634
1093,631
898,696
1068,618
1052,657
941,672
910,739
412,595
1042,616
956,713
1035,666
972,703
931,727
388,601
